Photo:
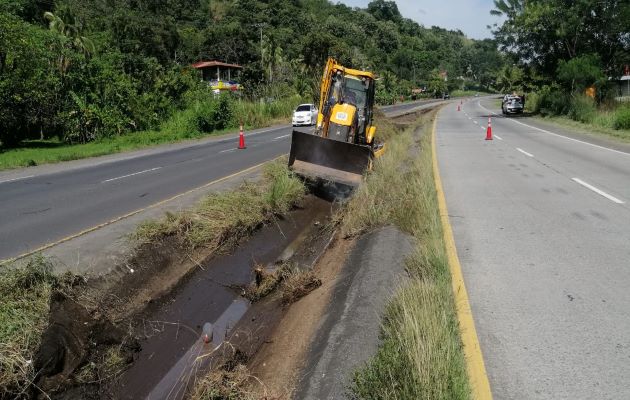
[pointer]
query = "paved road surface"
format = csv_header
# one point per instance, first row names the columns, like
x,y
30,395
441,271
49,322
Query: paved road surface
x,y
542,227
37,210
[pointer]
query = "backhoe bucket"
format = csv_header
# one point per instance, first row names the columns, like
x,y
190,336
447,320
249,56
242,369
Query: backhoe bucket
x,y
315,157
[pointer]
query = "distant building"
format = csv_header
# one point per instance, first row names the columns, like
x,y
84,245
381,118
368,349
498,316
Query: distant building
x,y
219,75
623,87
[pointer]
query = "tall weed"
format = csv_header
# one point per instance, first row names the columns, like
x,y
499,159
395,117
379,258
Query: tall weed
x,y
582,109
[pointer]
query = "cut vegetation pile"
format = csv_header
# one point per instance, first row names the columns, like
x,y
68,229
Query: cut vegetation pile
x,y
421,355
223,219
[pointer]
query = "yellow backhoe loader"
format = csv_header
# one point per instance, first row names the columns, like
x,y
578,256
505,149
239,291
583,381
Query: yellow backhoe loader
x,y
343,145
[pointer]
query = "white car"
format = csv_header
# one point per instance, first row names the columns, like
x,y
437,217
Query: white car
x,y
305,114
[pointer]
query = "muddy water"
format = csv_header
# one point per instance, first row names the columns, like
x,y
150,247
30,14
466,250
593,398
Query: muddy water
x,y
171,329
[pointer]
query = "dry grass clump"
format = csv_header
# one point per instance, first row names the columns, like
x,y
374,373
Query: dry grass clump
x,y
298,284
222,219
25,300
108,365
294,283
266,282
232,381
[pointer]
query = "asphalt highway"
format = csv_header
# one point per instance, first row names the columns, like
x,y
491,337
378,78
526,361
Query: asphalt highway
x,y
47,207
541,219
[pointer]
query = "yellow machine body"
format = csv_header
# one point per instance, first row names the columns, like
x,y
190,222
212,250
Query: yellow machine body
x,y
343,145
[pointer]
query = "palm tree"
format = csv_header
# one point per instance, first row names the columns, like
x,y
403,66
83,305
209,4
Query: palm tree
x,y
508,8
72,31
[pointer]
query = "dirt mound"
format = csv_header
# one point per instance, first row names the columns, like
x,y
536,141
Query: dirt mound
x,y
72,336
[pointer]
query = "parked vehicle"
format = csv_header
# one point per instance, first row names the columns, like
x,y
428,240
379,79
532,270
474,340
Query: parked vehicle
x,y
512,104
305,114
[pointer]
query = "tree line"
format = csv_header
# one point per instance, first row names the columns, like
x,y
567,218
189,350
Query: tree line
x,y
82,70
559,48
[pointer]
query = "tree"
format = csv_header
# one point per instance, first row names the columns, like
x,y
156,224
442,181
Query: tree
x,y
544,32
437,84
581,72
384,10
510,79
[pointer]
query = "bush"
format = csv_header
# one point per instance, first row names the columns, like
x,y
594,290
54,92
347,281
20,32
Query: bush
x,y
621,119
553,102
582,109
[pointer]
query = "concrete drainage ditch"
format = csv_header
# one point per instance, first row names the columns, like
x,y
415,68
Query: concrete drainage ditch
x,y
206,320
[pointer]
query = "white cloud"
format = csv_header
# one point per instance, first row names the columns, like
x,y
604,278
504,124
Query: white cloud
x,y
469,16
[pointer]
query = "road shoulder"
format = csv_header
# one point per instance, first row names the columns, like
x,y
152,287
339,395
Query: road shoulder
x,y
352,322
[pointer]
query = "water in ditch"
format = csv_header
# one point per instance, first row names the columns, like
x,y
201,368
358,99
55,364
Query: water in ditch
x,y
172,329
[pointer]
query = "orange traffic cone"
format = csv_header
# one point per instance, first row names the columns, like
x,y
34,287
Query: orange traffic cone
x,y
458,108
241,139
489,130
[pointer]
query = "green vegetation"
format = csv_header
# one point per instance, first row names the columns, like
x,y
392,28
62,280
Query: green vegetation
x,y
92,70
223,219
196,121
468,93
588,49
421,356
25,294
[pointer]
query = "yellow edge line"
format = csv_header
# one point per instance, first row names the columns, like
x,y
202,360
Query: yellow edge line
x,y
472,351
132,213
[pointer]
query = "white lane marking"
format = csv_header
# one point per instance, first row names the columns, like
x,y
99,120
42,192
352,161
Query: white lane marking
x,y
524,152
558,135
498,137
476,122
127,176
283,136
227,151
17,179
598,191
265,131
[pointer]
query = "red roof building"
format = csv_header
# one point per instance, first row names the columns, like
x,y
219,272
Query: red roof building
x,y
218,71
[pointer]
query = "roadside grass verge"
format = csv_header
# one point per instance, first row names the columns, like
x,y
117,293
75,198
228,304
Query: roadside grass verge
x,y
223,219
25,294
421,355
183,125
602,125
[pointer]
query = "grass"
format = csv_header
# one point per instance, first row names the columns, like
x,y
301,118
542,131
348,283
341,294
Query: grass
x,y
294,283
224,384
176,129
25,294
222,219
297,284
266,282
421,356
107,366
602,124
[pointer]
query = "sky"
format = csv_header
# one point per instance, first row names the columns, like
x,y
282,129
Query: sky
x,y
469,16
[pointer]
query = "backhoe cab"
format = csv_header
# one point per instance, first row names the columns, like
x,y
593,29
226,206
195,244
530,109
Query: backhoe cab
x,y
343,145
